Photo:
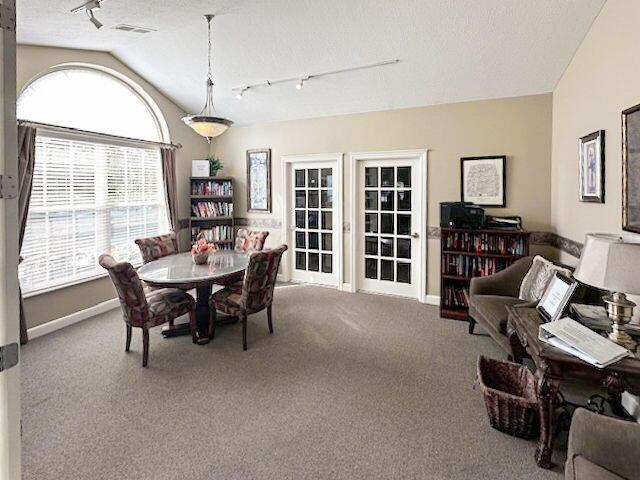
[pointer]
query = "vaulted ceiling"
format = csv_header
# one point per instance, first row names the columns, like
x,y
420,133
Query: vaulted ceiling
x,y
450,50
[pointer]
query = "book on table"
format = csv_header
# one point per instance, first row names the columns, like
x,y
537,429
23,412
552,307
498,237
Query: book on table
x,y
575,339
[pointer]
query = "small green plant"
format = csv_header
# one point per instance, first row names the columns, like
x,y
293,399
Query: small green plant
x,y
215,164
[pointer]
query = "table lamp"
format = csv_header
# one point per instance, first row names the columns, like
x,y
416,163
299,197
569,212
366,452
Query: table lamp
x,y
612,263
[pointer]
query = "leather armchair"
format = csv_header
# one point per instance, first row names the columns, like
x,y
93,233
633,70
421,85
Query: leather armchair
x,y
602,448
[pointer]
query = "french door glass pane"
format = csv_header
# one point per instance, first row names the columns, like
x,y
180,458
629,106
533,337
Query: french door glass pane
x,y
326,199
313,241
301,260
387,176
312,178
371,222
404,201
313,219
300,240
386,270
327,263
327,241
404,225
386,222
327,221
403,248
300,179
404,177
300,219
301,199
313,199
386,200
371,200
403,273
386,247
371,268
371,245
371,177
314,262
326,178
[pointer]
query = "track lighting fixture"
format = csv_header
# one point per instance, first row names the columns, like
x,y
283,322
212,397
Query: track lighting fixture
x,y
241,92
89,8
300,83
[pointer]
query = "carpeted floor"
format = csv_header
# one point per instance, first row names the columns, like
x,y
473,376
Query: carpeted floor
x,y
350,386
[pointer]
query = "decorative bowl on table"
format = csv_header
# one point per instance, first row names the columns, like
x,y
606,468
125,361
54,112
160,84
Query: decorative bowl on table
x,y
201,250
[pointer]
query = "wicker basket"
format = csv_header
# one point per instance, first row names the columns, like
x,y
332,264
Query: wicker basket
x,y
509,392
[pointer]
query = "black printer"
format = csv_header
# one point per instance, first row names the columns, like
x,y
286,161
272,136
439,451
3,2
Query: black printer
x,y
461,215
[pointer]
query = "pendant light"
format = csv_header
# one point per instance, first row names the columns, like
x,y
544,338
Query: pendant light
x,y
206,123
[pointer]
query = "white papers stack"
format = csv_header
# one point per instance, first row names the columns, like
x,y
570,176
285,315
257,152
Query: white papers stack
x,y
578,340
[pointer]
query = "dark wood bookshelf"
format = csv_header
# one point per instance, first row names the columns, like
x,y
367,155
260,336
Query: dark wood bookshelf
x,y
467,253
199,223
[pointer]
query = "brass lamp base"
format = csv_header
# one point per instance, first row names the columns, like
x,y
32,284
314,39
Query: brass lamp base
x,y
620,311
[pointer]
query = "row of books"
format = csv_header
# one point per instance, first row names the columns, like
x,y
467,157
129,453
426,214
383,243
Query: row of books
x,y
466,266
221,189
212,209
454,297
219,233
484,242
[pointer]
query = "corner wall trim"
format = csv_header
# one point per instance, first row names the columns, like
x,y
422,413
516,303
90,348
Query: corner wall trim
x,y
433,300
75,317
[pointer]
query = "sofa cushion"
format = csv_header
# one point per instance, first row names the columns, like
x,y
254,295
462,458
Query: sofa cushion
x,y
493,310
580,468
537,279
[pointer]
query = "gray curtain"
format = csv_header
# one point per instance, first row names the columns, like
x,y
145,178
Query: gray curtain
x,y
170,188
26,162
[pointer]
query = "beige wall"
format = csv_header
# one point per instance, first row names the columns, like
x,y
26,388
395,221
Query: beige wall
x,y
600,82
517,127
33,61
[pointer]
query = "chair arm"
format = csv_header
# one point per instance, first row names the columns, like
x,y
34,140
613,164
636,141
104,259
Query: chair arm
x,y
506,283
609,442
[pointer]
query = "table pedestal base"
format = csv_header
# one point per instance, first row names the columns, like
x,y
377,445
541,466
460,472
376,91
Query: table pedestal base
x,y
202,318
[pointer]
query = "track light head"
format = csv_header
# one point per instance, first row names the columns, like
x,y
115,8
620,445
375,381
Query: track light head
x,y
300,84
92,18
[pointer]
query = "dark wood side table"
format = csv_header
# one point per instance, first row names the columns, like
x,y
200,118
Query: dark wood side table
x,y
553,366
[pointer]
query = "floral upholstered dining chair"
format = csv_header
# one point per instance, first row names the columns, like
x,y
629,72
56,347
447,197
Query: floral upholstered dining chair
x,y
250,241
153,248
148,309
256,293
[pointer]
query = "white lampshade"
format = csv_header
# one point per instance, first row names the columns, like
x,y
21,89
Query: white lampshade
x,y
610,262
209,127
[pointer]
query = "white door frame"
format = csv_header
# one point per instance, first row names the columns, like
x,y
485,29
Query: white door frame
x,y
9,316
338,159
421,156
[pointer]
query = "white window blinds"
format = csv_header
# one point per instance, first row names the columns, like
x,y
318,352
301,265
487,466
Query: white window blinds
x,y
88,198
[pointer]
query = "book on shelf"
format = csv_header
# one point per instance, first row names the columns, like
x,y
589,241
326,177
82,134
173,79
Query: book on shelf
x,y
466,266
213,188
454,297
485,243
219,233
212,209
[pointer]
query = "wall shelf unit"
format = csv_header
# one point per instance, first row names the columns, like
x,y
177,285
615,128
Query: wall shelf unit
x,y
467,253
211,203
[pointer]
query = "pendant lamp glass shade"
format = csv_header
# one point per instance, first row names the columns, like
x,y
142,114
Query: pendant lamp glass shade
x,y
207,123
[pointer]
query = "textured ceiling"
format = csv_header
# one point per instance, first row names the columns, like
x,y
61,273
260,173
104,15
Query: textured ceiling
x,y
450,50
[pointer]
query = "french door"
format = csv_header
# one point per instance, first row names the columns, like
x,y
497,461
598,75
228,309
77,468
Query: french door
x,y
389,255
314,220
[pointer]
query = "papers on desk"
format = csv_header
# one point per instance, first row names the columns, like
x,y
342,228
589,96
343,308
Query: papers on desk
x,y
582,342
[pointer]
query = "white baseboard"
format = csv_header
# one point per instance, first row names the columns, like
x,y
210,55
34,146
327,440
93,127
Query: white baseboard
x,y
348,287
433,300
75,317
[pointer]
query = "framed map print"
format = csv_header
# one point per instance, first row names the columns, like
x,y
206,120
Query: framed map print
x,y
259,180
483,180
592,167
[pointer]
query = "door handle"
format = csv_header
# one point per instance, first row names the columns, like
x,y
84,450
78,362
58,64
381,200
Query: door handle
x,y
415,235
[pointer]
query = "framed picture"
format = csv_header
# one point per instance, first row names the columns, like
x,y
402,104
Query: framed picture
x,y
591,148
558,293
259,180
483,180
631,169
199,168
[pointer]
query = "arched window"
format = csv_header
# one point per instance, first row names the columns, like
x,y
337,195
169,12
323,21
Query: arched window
x,y
92,194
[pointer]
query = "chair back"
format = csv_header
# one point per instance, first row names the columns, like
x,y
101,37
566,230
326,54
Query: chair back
x,y
260,278
250,241
129,289
153,248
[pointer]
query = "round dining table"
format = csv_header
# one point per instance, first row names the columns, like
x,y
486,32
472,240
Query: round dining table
x,y
179,271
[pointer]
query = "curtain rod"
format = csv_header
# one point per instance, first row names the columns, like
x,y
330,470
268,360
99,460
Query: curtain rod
x,y
48,126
